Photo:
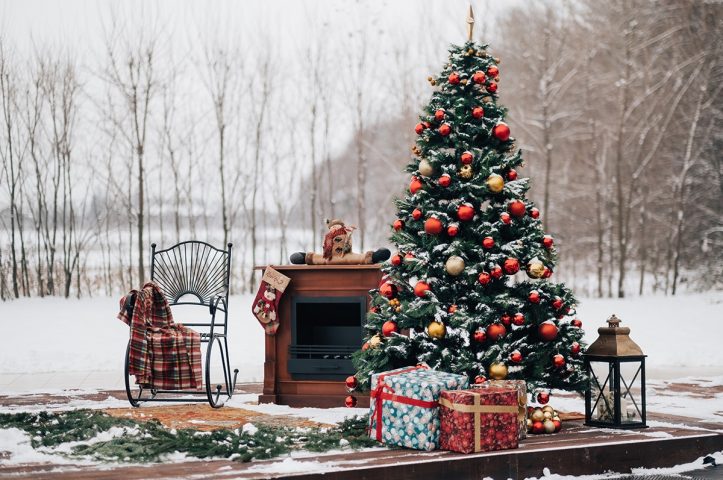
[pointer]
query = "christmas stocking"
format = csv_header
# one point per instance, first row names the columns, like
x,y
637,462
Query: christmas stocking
x,y
267,299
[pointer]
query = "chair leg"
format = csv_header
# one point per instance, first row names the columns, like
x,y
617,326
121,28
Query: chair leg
x,y
235,371
134,401
213,397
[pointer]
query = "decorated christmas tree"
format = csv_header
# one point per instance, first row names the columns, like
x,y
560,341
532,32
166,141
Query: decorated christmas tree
x,y
469,289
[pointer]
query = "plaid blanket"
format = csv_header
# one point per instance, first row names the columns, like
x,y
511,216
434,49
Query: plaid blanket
x,y
163,354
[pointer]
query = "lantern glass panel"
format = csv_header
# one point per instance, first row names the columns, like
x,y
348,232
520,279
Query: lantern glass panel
x,y
631,401
602,387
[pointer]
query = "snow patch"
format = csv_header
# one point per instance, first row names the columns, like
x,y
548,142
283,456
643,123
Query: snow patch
x,y
290,465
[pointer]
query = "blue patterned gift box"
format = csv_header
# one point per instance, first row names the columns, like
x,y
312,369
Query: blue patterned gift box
x,y
404,408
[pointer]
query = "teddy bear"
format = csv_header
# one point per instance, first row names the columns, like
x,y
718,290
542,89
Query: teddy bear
x,y
337,249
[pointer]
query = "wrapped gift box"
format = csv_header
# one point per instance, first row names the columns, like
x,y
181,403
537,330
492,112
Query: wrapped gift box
x,y
521,387
404,408
478,420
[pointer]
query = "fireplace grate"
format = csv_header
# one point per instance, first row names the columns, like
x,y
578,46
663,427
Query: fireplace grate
x,y
322,351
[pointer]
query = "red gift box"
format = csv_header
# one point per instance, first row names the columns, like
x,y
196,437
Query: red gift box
x,y
478,420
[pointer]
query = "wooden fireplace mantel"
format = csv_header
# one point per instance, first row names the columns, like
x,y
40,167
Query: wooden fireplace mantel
x,y
280,386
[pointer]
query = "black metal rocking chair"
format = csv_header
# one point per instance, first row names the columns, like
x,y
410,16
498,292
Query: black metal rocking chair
x,y
199,270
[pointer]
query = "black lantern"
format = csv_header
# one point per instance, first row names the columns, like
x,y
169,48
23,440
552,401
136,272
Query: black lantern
x,y
615,397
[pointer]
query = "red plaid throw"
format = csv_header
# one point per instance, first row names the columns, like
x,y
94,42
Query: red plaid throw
x,y
163,355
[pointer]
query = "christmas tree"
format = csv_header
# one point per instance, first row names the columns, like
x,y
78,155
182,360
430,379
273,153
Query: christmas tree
x,y
468,290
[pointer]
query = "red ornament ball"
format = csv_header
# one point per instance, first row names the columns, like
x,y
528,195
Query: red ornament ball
x,y
505,218
506,319
445,180
478,112
557,303
416,214
511,174
415,185
496,331
433,226
534,296
389,327
452,308
351,382
547,273
453,78
488,242
452,230
421,288
547,241
558,425
558,361
518,319
496,272
350,401
365,347
444,129
480,335
396,260
409,255
543,398
492,87
419,128
575,348
388,290
479,379
398,224
439,115
511,266
547,331
484,278
538,427
465,212
466,158
516,356
534,213
493,71
576,323
517,208
479,77
501,132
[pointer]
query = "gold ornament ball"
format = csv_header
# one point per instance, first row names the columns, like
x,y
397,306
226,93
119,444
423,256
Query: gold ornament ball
x,y
375,341
454,265
529,423
498,371
548,408
465,172
425,168
436,329
537,415
549,426
547,414
535,269
555,418
495,183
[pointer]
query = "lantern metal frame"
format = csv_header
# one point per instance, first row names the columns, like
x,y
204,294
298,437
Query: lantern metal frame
x,y
619,387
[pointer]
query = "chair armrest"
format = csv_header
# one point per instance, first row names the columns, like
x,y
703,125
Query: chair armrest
x,y
213,304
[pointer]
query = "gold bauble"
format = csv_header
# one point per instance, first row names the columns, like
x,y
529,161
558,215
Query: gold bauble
x,y
425,168
529,423
548,408
498,371
535,269
436,329
463,81
555,418
454,265
465,172
537,415
549,426
547,414
375,341
495,183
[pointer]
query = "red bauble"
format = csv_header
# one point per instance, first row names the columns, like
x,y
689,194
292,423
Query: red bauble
x,y
506,319
452,230
416,214
433,226
511,266
453,78
478,112
419,128
512,174
575,348
558,361
465,212
389,327
484,278
505,217
409,255
538,427
547,273
517,208
479,77
534,213
388,290
543,398
557,303
492,87
496,331
444,129
493,71
496,272
421,289
439,115
445,180
518,319
365,347
479,379
516,356
534,296
501,132
547,331
374,309
547,241
576,323
350,401
415,185
396,259
398,224
558,425
480,335
452,308
466,158
488,242
351,382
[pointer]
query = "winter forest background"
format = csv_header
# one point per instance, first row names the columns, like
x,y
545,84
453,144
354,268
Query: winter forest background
x,y
126,123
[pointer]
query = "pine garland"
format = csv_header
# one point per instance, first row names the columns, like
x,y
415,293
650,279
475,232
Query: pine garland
x,y
150,441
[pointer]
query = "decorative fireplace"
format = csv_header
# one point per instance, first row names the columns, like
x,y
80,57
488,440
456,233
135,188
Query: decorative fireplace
x,y
321,318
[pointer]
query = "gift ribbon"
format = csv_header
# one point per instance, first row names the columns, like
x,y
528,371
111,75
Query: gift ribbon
x,y
380,395
477,409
